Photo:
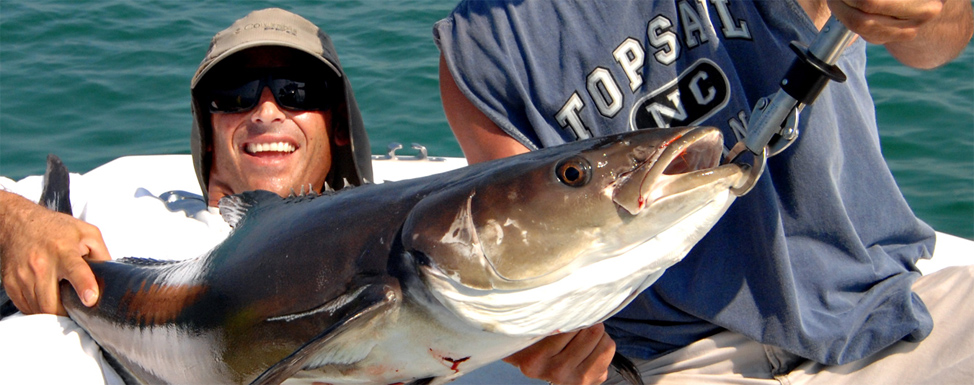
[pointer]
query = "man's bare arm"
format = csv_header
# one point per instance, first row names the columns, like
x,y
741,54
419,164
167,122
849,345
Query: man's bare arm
x,y
479,138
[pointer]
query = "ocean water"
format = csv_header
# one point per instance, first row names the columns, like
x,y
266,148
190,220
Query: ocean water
x,y
92,81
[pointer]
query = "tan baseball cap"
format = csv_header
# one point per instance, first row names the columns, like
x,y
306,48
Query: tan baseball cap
x,y
268,27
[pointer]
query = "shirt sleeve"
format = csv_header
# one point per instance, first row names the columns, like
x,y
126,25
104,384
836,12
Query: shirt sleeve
x,y
479,43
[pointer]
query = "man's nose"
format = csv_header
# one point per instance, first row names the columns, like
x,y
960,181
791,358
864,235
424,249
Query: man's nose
x,y
267,109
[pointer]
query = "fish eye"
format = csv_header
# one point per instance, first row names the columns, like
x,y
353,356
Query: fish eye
x,y
575,171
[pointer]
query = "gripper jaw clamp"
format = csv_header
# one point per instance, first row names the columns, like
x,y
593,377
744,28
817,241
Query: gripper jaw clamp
x,y
773,125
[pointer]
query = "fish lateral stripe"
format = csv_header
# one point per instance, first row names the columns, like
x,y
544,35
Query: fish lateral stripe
x,y
330,307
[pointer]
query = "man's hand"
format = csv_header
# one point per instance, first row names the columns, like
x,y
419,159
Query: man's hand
x,y
579,357
38,248
918,33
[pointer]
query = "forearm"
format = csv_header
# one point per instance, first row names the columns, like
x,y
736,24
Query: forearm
x,y
14,211
940,40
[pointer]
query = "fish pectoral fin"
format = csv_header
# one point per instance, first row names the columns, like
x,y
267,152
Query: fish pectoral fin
x,y
368,303
626,369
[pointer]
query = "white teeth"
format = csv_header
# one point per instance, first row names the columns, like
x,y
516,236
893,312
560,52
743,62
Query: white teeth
x,y
254,148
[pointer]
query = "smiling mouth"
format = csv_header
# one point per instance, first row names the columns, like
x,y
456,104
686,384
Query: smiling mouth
x,y
276,147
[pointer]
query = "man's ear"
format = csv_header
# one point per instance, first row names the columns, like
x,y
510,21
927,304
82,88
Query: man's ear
x,y
341,137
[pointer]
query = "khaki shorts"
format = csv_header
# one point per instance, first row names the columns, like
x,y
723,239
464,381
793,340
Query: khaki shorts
x,y
946,356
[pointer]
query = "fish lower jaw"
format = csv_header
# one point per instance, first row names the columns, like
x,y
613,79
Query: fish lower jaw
x,y
586,296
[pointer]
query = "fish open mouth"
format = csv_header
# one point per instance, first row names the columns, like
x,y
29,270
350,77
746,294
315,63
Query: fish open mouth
x,y
685,162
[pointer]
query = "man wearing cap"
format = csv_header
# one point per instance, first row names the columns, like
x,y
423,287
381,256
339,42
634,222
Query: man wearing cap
x,y
272,110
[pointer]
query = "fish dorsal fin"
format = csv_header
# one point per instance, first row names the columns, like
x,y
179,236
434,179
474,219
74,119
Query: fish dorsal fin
x,y
235,208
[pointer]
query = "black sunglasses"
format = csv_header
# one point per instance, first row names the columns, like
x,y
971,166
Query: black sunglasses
x,y
240,91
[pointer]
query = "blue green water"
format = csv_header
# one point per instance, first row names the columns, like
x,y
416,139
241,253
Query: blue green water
x,y
92,81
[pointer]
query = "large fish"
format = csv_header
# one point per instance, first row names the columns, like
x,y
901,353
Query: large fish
x,y
419,280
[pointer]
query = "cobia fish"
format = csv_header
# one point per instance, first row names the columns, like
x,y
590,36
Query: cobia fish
x,y
420,280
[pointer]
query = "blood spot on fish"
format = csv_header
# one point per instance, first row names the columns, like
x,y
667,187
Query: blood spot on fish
x,y
669,142
456,363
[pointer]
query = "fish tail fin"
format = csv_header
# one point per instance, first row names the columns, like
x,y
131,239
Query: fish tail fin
x,y
56,194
